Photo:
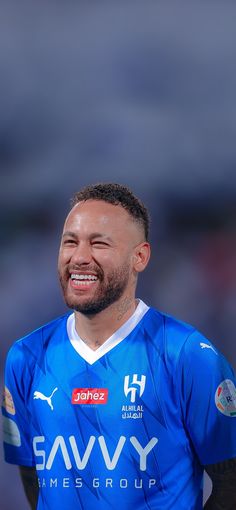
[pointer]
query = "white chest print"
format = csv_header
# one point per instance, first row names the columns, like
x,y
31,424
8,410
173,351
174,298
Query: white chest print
x,y
207,346
41,396
132,387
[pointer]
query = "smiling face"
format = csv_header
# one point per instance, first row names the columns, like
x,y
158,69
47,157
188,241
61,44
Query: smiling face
x,y
101,252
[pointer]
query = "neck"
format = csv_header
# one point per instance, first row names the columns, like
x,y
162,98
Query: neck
x,y
96,329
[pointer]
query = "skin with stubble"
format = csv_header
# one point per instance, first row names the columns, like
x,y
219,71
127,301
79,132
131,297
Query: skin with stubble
x,y
101,253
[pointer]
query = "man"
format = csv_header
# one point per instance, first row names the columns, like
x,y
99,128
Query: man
x,y
116,404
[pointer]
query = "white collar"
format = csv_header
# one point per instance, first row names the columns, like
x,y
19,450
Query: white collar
x,y
91,356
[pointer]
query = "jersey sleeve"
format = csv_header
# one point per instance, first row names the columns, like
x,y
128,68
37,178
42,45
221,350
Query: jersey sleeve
x,y
208,393
16,418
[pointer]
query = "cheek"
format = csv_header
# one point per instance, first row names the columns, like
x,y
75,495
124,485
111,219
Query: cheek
x,y
121,261
63,258
103,257
114,260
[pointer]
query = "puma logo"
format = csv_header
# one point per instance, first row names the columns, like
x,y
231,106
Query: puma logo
x,y
207,346
38,394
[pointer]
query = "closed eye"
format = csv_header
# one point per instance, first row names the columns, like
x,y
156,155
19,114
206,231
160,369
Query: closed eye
x,y
100,244
69,242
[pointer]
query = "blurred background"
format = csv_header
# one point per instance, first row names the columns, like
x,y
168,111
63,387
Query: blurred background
x,y
141,93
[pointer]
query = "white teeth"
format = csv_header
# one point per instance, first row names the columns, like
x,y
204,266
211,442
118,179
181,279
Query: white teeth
x,y
82,283
83,277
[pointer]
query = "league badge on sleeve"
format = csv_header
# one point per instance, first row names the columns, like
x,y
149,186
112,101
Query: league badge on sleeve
x,y
8,402
225,398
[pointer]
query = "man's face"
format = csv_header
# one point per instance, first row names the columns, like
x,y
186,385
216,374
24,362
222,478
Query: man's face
x,y
96,257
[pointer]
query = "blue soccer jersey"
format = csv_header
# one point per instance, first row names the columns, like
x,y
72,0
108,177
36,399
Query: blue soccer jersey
x,y
130,425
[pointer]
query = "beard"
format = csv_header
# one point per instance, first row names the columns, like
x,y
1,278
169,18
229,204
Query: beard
x,y
110,290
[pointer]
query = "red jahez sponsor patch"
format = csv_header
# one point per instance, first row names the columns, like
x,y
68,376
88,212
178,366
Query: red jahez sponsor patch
x,y
89,396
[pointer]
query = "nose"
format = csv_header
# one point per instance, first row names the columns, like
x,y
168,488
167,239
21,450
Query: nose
x,y
81,254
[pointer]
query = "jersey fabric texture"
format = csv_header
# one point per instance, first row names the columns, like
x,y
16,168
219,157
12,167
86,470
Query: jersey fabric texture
x,y
132,427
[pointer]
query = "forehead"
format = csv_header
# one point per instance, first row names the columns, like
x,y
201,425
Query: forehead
x,y
97,215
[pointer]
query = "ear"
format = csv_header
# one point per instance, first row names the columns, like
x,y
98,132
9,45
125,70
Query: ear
x,y
142,254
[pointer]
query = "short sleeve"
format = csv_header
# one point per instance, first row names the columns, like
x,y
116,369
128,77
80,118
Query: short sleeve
x,y
16,418
208,395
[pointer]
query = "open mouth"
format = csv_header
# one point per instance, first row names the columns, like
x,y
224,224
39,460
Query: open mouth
x,y
79,280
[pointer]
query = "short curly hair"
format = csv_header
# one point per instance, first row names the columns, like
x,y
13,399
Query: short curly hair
x,y
116,194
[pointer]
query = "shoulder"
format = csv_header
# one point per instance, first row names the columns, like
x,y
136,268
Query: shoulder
x,y
170,333
180,342
29,348
171,326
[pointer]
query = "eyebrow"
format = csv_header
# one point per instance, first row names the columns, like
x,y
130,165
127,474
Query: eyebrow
x,y
69,234
95,235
